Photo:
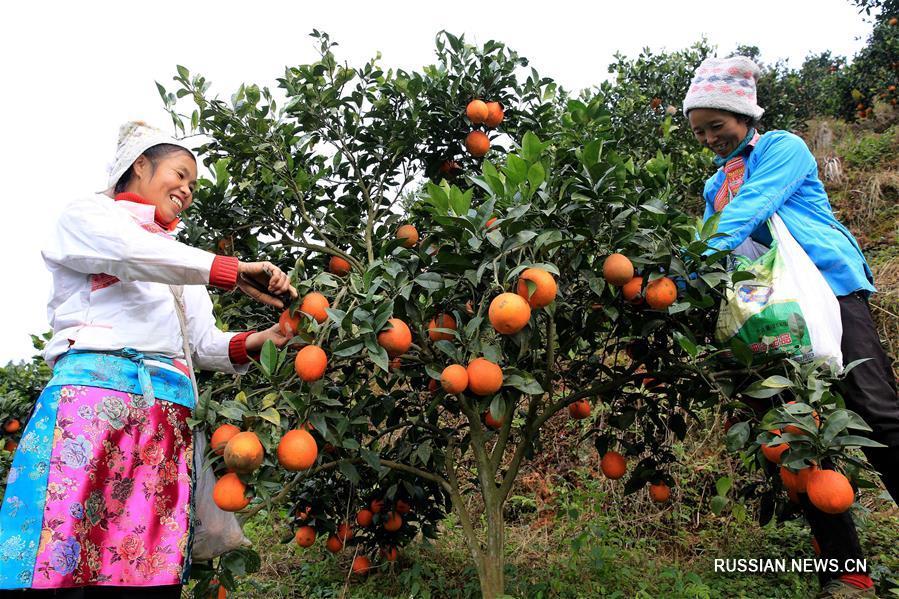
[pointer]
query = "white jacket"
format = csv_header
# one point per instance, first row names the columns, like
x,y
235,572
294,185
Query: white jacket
x,y
111,271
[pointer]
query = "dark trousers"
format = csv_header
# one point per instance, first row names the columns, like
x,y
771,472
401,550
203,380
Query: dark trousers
x,y
870,391
165,592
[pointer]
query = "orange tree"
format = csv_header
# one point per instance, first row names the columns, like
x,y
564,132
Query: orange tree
x,y
445,347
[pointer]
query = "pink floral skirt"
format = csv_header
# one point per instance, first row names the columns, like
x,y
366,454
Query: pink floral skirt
x,y
117,496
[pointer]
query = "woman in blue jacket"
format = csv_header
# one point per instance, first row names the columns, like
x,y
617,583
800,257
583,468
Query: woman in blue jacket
x,y
775,172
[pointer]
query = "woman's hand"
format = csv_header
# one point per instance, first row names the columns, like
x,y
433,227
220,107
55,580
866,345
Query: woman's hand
x,y
265,282
256,340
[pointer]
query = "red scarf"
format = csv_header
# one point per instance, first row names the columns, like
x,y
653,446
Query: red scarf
x,y
734,171
127,196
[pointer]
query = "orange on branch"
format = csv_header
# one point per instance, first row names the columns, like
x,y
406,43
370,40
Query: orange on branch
x,y
314,304
221,436
289,325
338,266
244,452
12,426
495,114
579,409
345,532
333,544
454,379
484,377
361,565
310,363
364,518
659,492
305,536
631,290
830,491
773,453
797,481
442,321
613,465
397,339
297,450
409,235
492,422
402,507
546,288
394,522
477,143
477,111
661,293
508,313
228,493
617,270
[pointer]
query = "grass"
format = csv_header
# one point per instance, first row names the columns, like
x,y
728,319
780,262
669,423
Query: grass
x,y
583,538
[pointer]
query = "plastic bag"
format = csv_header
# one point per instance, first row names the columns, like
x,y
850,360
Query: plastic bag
x,y
787,309
215,530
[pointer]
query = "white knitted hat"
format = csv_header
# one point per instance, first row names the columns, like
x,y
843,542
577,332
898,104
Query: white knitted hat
x,y
135,137
725,84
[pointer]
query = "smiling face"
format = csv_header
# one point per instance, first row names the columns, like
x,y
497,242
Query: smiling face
x,y
168,184
718,130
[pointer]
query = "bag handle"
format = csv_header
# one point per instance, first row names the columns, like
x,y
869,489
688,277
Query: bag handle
x,y
178,293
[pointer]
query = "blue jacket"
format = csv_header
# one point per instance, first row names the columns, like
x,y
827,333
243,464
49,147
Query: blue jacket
x,y
782,176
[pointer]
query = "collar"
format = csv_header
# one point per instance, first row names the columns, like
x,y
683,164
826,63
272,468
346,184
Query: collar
x,y
127,196
752,138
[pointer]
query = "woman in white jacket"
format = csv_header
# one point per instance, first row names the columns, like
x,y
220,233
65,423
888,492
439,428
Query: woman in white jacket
x,y
98,496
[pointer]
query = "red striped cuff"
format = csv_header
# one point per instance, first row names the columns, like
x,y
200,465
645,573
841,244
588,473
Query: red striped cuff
x,y
237,349
223,273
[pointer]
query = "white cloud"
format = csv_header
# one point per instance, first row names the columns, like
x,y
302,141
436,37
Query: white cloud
x,y
72,72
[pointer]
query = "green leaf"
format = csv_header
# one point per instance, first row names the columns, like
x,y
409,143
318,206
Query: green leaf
x,y
737,436
723,485
531,148
371,457
498,407
516,169
271,415
710,227
350,472
718,504
536,176
268,357
777,382
856,441
524,382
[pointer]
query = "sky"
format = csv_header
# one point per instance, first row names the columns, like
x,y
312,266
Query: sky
x,y
72,72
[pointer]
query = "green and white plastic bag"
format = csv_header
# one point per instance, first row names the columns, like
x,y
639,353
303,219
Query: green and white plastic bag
x,y
788,309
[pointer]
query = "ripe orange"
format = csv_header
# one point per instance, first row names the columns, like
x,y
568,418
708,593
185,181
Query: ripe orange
x,y
495,114
12,426
484,377
477,111
361,565
617,270
442,321
449,168
345,532
454,379
225,244
432,386
655,103
395,364
221,436
243,453
546,289
338,266
659,492
830,491
376,506
661,293
288,324
397,339
389,553
408,234
364,518
310,363
492,422
228,493
508,313
773,452
297,450
631,290
333,544
402,507
10,445
893,21
314,304
394,522
796,481
798,431
305,536
477,143
579,409
613,465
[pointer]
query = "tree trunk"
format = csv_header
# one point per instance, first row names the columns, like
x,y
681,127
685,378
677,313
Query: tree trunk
x,y
492,570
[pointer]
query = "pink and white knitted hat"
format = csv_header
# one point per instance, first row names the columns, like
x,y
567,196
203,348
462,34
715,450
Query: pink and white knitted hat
x,y
725,84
